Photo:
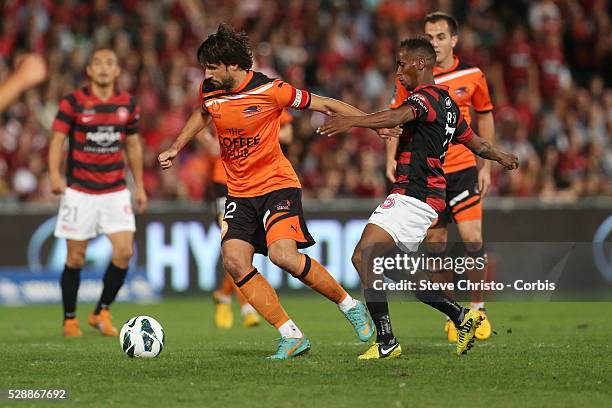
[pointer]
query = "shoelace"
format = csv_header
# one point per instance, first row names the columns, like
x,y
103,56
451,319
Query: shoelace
x,y
354,316
282,345
465,329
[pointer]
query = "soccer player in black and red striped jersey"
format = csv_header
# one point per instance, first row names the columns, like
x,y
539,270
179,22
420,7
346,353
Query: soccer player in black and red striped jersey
x,y
430,120
99,123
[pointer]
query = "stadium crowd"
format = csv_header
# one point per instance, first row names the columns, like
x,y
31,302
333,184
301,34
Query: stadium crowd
x,y
548,64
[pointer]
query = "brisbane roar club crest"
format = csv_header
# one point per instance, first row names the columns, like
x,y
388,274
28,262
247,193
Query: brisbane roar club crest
x,y
215,110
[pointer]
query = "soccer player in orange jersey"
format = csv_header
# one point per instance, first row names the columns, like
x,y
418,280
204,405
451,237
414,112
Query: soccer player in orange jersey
x,y
466,183
224,318
263,212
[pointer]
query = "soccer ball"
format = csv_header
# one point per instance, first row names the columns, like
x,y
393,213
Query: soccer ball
x,y
142,336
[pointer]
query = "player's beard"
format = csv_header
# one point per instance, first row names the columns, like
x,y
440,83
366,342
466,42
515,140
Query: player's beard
x,y
227,83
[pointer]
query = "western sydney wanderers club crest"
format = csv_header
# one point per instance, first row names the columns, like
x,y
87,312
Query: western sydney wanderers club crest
x,y
123,113
388,203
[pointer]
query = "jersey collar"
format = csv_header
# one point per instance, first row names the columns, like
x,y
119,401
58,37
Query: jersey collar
x,y
88,92
439,71
244,83
418,88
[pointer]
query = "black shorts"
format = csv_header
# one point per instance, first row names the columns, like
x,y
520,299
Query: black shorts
x,y
462,197
265,219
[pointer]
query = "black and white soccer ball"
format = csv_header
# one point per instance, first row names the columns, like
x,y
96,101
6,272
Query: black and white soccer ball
x,y
142,336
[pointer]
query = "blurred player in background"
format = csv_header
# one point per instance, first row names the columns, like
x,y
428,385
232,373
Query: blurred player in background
x,y
31,70
99,122
263,212
465,183
224,318
431,121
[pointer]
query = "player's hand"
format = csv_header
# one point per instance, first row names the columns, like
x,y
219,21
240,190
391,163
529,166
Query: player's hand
x,y
388,133
31,71
58,185
508,160
140,199
391,168
335,125
165,158
484,179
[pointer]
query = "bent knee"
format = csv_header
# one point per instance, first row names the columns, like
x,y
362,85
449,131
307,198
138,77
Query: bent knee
x,y
236,266
357,258
286,259
124,252
75,259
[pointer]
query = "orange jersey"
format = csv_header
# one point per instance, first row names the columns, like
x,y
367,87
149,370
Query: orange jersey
x,y
219,176
218,173
468,88
248,121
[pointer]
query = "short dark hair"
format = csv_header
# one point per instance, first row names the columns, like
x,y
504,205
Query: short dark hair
x,y
421,45
98,49
227,47
434,17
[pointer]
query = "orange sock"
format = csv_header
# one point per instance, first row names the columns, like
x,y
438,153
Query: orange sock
x,y
316,277
241,299
262,296
227,286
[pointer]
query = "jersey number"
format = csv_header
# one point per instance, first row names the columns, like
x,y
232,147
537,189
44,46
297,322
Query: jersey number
x,y
451,119
231,207
69,213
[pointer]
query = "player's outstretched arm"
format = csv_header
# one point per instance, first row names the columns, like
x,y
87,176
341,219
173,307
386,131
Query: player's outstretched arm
x,y
133,150
331,106
383,119
486,150
196,123
56,151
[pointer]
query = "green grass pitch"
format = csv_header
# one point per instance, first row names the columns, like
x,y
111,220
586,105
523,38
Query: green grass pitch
x,y
544,355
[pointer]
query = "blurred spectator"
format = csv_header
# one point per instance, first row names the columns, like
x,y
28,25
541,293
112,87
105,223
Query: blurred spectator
x,y
550,80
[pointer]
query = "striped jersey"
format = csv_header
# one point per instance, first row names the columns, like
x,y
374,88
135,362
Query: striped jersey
x,y
247,120
96,131
424,142
468,88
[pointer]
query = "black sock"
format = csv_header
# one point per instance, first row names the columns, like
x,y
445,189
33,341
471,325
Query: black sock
x,y
71,278
376,301
438,300
113,280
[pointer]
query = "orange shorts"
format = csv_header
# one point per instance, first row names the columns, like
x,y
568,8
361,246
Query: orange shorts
x,y
462,197
265,219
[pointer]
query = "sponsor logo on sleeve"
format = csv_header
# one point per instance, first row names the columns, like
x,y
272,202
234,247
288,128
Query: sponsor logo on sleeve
x,y
420,101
